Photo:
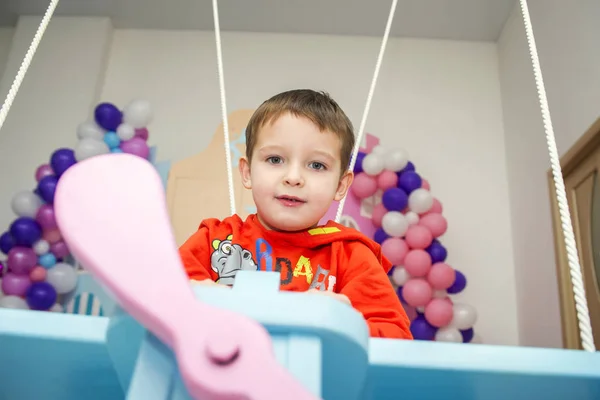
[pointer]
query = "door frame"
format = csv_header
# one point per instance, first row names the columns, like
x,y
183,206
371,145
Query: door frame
x,y
569,162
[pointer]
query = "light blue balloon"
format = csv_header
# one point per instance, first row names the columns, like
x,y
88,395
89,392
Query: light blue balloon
x,y
116,150
47,260
112,140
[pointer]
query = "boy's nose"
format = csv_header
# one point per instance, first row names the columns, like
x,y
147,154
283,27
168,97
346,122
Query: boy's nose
x,y
294,177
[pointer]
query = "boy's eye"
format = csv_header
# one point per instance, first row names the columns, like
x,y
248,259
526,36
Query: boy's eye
x,y
274,160
317,165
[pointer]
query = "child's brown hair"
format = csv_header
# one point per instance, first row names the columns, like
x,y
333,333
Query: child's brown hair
x,y
318,107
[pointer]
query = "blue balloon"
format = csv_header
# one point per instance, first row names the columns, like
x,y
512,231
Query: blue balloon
x,y
421,329
108,116
379,236
112,140
40,296
409,167
25,231
61,160
460,282
47,188
6,242
399,293
358,164
467,335
47,260
437,252
409,181
394,199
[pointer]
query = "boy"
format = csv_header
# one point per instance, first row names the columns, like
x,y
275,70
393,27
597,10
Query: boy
x,y
298,148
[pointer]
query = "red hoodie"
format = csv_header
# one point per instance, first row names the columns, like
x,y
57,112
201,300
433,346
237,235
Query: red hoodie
x,y
330,257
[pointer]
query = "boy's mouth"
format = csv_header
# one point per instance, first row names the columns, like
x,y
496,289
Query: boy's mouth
x,y
290,199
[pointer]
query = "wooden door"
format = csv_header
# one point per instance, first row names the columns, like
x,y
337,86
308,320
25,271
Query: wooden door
x,y
581,173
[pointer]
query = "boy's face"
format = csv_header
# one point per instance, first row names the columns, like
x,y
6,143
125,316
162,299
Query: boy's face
x,y
295,173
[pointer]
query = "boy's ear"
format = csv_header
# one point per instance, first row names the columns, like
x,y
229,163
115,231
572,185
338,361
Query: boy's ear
x,y
344,185
244,167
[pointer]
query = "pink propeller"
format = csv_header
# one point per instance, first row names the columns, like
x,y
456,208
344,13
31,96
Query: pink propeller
x,y
112,214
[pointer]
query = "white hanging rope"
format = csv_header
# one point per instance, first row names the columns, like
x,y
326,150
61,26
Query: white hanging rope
x,y
37,38
224,107
583,314
363,122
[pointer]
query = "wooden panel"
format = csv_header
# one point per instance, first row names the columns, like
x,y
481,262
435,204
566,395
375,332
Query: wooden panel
x,y
197,186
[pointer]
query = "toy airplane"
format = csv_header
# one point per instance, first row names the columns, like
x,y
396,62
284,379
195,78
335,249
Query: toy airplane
x,y
168,340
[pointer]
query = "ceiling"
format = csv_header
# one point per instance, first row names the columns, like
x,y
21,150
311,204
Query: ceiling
x,y
479,20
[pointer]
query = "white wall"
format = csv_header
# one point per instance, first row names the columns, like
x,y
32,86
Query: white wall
x,y
440,100
567,39
6,37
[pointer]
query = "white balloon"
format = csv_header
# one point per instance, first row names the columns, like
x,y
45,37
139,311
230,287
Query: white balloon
x,y
420,201
420,309
464,317
412,218
400,276
394,224
13,302
448,334
90,130
379,149
396,160
63,277
25,203
125,132
373,164
41,247
138,113
57,308
440,294
89,147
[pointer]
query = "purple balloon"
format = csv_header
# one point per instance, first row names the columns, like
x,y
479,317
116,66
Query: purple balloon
x,y
409,181
40,296
47,188
16,285
437,252
25,231
136,146
358,164
395,199
467,335
409,167
400,295
61,160
6,242
421,329
460,282
142,133
379,236
59,249
2,269
21,260
42,171
46,218
108,116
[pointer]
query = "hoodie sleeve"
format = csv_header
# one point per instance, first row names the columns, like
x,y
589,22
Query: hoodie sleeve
x,y
195,254
365,282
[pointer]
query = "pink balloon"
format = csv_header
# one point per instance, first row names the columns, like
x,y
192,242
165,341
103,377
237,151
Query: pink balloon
x,y
37,274
436,208
425,184
417,262
417,292
59,249
395,250
364,185
439,312
142,133
418,237
52,236
15,285
136,146
21,260
45,217
441,276
377,215
387,179
42,171
436,224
